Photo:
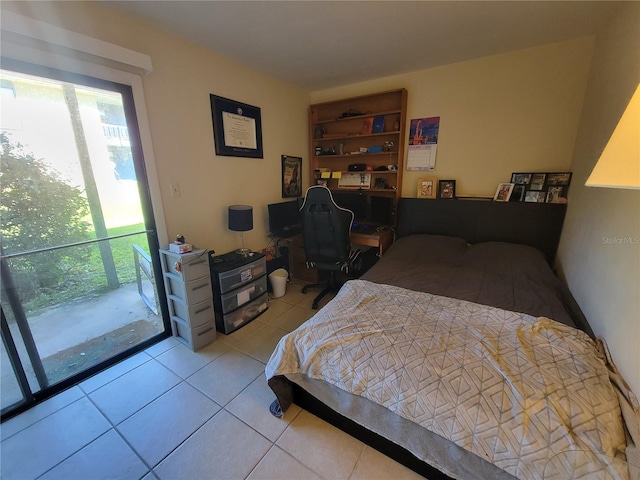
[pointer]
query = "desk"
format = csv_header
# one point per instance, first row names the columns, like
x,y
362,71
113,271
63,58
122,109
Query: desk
x,y
380,240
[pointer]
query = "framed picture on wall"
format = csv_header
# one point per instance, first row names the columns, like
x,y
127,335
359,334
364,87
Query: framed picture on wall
x,y
291,176
427,187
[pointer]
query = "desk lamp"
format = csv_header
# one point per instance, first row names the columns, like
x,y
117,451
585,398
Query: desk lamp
x,y
241,220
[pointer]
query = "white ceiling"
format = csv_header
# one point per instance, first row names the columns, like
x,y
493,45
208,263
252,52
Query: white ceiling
x,y
324,44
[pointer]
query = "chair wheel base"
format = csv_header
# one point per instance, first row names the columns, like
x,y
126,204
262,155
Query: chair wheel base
x,y
331,285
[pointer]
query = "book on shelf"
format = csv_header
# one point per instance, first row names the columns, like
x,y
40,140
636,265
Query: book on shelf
x,y
367,126
378,124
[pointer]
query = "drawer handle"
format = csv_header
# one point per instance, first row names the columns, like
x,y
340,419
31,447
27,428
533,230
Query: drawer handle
x,y
205,331
203,309
199,287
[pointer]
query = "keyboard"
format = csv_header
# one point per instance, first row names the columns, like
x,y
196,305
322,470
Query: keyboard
x,y
365,228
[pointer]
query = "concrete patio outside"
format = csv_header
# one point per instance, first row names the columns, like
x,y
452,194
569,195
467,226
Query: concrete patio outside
x,y
75,335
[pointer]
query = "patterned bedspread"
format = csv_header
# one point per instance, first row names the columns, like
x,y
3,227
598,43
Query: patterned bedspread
x,y
513,389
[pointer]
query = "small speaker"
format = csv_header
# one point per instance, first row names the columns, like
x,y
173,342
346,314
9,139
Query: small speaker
x,y
357,167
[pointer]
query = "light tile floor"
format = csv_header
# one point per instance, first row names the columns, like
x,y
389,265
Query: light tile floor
x,y
170,413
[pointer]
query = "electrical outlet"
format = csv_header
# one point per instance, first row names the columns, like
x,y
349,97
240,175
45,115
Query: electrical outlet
x,y
175,190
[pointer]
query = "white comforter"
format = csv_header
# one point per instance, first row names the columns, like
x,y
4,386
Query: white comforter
x,y
513,389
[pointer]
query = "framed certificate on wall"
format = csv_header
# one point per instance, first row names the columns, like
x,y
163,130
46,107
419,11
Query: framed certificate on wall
x,y
237,128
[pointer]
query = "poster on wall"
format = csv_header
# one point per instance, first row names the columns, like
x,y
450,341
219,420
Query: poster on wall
x,y
291,176
423,143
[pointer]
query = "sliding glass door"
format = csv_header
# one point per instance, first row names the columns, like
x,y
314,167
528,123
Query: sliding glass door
x,y
80,276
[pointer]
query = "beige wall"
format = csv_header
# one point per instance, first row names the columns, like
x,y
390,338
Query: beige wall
x,y
512,112
501,114
600,248
177,99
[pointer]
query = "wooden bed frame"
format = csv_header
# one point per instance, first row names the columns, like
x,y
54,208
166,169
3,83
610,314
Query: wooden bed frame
x,y
533,224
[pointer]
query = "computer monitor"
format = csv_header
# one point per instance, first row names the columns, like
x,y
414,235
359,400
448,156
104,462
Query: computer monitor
x,y
356,202
284,218
381,210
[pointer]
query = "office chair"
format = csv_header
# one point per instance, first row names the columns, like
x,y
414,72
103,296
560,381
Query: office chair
x,y
325,233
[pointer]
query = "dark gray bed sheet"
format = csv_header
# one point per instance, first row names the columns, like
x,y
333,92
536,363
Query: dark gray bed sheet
x,y
503,275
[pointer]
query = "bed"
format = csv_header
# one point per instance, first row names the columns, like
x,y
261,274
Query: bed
x,y
461,355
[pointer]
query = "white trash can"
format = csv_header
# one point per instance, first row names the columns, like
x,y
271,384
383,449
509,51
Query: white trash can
x,y
278,279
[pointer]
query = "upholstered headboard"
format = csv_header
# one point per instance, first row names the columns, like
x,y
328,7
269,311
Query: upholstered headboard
x,y
536,224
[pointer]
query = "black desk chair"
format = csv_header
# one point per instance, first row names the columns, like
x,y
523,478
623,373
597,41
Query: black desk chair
x,y
325,232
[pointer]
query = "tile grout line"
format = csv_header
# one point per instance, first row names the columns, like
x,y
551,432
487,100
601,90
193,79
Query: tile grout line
x,y
92,441
115,429
151,469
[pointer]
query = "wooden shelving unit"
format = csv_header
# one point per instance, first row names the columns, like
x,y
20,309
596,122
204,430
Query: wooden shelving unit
x,y
340,136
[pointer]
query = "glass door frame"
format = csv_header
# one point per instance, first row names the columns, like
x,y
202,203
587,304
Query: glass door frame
x,y
129,105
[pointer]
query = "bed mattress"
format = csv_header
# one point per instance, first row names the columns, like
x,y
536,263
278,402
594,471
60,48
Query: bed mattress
x,y
508,387
505,275
467,357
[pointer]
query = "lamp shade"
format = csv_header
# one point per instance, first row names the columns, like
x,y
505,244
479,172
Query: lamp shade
x,y
240,218
619,164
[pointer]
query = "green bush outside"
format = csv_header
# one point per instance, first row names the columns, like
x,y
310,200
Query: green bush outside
x,y
39,209
88,278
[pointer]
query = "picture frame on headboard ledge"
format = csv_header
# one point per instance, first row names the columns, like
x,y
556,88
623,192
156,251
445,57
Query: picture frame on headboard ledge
x,y
540,187
503,193
447,189
517,194
427,187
